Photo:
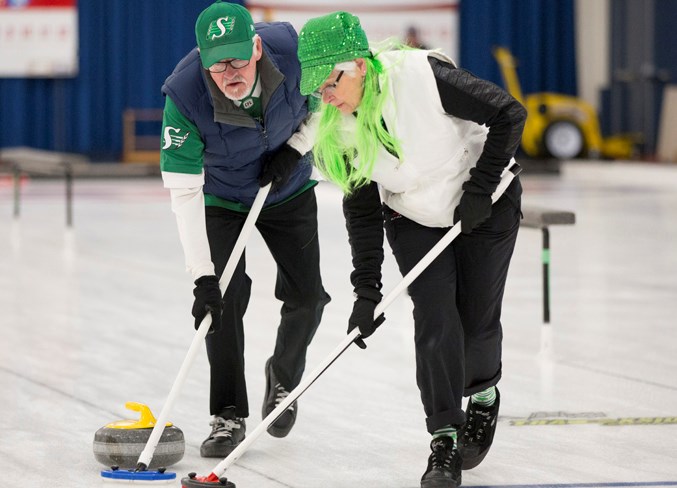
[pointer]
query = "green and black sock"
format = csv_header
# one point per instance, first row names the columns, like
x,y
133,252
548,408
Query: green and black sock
x,y
448,431
485,398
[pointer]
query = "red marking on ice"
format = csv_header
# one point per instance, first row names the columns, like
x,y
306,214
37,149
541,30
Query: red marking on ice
x,y
7,181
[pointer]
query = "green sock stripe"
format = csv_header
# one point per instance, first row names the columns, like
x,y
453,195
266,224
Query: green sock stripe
x,y
446,430
486,397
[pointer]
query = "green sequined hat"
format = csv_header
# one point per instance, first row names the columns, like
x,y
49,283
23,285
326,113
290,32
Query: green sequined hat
x,y
224,30
325,41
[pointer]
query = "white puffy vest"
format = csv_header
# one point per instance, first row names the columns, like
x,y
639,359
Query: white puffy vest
x,y
438,150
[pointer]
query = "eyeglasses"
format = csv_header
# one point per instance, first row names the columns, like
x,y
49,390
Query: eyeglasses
x,y
319,93
221,66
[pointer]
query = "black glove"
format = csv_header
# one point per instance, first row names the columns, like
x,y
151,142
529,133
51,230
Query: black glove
x,y
474,207
278,167
207,299
363,315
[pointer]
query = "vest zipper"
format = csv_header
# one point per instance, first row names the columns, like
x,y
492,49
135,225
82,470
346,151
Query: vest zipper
x,y
265,136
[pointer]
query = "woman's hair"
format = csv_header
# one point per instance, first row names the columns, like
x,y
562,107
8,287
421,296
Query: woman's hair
x,y
332,158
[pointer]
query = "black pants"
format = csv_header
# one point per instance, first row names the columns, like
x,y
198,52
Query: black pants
x,y
457,305
290,232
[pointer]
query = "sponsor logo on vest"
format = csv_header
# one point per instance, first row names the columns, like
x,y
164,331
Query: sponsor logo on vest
x,y
248,103
173,139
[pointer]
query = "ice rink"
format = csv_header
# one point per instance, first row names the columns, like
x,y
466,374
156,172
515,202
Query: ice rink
x,y
98,315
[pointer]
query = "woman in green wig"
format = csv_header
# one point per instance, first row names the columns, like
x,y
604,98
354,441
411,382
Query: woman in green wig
x,y
418,145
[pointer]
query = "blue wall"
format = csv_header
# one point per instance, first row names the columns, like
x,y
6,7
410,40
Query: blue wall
x,y
128,47
540,34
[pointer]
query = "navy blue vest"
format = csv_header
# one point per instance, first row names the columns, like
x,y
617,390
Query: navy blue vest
x,y
233,154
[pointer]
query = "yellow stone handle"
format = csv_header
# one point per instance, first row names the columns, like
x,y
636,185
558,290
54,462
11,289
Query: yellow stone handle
x,y
146,421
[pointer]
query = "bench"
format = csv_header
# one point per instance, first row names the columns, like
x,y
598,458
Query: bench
x,y
24,160
29,161
542,218
137,147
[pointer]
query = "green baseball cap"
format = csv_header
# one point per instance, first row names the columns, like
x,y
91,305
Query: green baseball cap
x,y
224,30
325,41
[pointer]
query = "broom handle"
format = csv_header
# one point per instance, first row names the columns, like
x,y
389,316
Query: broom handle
x,y
198,338
219,470
506,179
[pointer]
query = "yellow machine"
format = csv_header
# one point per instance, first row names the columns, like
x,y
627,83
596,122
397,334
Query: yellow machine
x,y
560,126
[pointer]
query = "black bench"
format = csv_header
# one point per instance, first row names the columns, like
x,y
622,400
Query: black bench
x,y
543,218
24,160
29,161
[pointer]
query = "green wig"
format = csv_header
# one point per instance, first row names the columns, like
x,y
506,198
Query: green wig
x,y
333,158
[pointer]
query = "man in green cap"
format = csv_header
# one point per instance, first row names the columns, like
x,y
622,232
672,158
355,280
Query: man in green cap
x,y
234,121
419,145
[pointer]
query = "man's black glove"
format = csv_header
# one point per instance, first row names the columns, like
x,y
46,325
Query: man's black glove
x,y
207,299
278,167
363,314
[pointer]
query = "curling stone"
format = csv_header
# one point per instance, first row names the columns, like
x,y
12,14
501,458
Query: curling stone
x,y
121,443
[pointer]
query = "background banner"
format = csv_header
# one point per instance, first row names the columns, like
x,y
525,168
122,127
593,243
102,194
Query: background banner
x,y
38,38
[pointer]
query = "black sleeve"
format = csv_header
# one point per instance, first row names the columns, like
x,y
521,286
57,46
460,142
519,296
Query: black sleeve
x,y
467,97
364,221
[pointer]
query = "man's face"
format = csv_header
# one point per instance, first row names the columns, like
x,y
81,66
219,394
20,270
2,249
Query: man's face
x,y
237,83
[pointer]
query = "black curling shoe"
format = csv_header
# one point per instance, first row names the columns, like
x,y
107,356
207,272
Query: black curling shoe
x,y
444,465
477,434
227,433
275,394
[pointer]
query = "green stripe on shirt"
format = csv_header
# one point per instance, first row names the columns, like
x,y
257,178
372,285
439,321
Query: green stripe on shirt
x,y
214,201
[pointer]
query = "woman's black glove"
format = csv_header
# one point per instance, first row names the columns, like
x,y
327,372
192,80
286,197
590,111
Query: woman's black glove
x,y
475,205
472,210
363,314
207,299
278,167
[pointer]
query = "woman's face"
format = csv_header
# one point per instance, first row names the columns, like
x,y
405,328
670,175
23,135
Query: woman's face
x,y
344,88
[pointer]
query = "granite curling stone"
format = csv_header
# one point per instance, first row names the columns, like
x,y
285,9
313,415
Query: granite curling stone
x,y
121,443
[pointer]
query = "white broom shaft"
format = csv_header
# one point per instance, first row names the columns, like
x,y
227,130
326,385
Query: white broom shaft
x,y
241,242
272,416
437,249
347,341
250,221
221,468
417,270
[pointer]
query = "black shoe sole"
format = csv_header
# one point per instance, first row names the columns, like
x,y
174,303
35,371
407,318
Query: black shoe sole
x,y
446,483
216,451
277,432
474,462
